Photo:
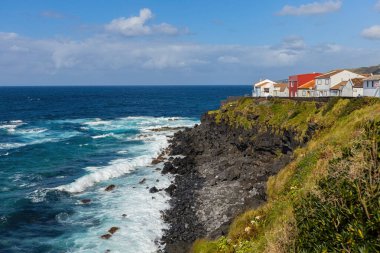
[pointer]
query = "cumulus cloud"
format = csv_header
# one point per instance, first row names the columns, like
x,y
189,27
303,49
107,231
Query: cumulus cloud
x,y
8,36
372,33
137,26
314,8
294,43
104,59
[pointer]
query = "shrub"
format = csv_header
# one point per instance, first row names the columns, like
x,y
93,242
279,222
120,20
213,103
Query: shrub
x,y
343,214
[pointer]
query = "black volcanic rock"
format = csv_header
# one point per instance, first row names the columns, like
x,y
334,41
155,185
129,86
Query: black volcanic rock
x,y
153,190
220,172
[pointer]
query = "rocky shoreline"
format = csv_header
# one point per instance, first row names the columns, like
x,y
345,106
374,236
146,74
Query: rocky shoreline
x,y
220,171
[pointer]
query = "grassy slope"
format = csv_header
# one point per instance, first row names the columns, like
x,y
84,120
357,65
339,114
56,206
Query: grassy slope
x,y
292,212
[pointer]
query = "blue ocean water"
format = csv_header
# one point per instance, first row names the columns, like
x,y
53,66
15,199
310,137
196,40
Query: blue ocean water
x,y
61,145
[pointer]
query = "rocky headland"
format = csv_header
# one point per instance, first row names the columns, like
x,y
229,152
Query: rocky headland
x,y
223,165
221,172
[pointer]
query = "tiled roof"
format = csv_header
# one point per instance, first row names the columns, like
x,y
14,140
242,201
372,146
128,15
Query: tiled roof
x,y
308,85
339,85
329,74
357,82
282,86
373,78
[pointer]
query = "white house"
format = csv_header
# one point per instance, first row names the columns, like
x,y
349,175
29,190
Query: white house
x,y
307,89
357,88
280,90
342,89
324,82
371,86
263,88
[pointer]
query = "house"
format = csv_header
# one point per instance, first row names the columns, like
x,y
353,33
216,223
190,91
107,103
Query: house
x,y
340,89
347,88
307,89
263,88
357,88
280,90
299,80
371,86
333,79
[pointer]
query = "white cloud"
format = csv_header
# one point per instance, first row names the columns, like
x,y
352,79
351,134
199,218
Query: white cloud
x,y
312,8
294,43
8,36
104,59
16,48
137,26
372,32
228,59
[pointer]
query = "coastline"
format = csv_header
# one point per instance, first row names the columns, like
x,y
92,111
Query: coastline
x,y
219,173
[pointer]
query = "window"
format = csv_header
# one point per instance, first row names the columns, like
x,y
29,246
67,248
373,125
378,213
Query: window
x,y
303,93
372,83
319,81
266,90
327,81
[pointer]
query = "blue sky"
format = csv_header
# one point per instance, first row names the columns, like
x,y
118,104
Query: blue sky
x,y
116,42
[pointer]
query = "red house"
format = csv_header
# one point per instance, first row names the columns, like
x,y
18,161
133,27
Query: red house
x,y
298,80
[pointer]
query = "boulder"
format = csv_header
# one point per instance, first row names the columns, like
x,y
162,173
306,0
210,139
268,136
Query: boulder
x,y
106,236
85,201
153,190
110,188
168,168
113,230
170,190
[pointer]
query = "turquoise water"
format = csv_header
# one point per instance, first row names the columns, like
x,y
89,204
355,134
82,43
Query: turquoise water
x,y
61,145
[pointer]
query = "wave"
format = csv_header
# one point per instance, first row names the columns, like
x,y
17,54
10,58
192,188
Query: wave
x,y
11,125
8,146
116,169
103,136
97,122
32,131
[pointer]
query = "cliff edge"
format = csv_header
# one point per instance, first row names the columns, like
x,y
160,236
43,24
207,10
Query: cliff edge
x,y
248,177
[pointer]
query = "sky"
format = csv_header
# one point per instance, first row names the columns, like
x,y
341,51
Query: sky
x,y
148,42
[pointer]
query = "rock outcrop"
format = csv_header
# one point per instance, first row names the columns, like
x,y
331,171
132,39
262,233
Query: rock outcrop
x,y
222,172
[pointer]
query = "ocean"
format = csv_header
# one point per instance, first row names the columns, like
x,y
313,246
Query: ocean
x,y
62,146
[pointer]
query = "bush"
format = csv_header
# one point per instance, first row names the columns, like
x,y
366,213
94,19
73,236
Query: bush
x,y
343,214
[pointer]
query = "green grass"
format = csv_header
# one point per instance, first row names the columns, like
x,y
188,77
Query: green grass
x,y
333,179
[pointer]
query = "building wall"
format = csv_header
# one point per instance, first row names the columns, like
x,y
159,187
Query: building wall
x,y
347,90
304,93
370,89
298,80
357,92
323,86
278,93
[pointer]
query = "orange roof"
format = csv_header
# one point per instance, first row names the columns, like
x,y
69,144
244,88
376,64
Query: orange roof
x,y
357,82
282,86
308,85
329,74
373,77
339,85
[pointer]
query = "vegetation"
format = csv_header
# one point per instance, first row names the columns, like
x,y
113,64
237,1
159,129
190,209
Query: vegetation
x,y
327,198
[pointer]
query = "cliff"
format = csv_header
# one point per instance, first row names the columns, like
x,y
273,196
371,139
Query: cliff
x,y
277,176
